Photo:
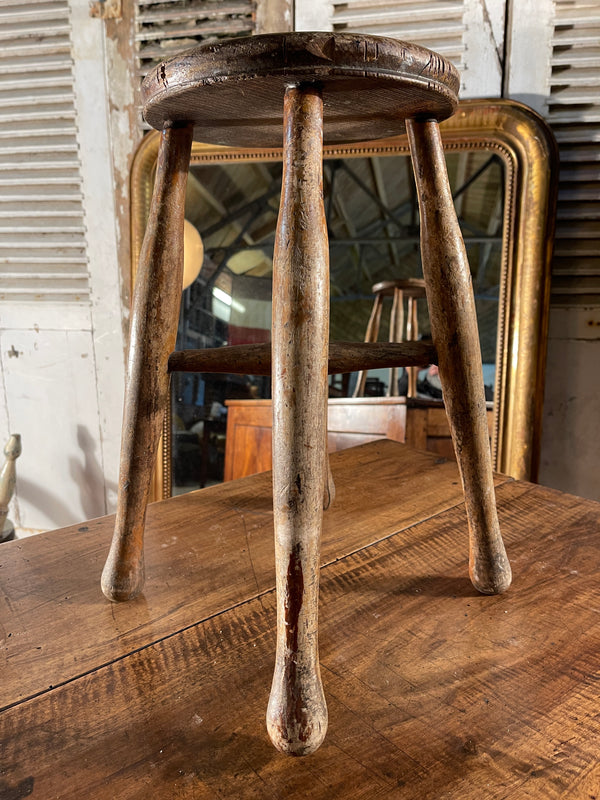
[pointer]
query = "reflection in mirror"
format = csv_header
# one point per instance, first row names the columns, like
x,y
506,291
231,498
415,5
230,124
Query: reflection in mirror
x,y
503,166
373,223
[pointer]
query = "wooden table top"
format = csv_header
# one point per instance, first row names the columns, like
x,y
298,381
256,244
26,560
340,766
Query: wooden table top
x,y
433,690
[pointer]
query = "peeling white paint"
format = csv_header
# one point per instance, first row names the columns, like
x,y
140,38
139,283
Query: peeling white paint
x,y
121,99
96,146
484,42
313,15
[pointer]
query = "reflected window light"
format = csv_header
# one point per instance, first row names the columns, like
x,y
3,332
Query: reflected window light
x,y
223,304
219,294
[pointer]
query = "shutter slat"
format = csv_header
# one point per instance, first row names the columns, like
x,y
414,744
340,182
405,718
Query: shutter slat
x,y
20,65
418,6
576,135
590,114
221,9
12,49
569,94
577,58
572,35
193,29
48,237
28,166
579,210
36,32
399,14
37,149
575,76
33,15
60,6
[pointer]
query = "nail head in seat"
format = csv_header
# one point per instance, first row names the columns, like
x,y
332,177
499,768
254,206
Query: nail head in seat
x,y
232,90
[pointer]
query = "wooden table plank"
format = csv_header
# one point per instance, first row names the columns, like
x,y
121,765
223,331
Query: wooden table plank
x,y
435,692
206,551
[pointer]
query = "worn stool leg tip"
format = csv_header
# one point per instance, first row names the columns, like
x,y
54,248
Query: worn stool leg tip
x,y
118,586
294,739
494,578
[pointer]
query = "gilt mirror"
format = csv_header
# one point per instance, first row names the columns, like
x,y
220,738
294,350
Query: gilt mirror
x,y
502,165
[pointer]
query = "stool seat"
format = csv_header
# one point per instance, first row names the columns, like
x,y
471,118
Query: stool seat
x,y
232,90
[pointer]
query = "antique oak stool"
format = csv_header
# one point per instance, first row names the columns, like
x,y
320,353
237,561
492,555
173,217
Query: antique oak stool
x,y
301,88
412,289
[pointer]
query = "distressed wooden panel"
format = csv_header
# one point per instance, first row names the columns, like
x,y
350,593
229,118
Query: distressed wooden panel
x,y
192,541
42,233
574,113
50,378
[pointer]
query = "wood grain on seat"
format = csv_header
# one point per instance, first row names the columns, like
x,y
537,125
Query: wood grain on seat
x,y
233,90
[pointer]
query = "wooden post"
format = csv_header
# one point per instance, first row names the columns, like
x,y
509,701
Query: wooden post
x,y
454,330
297,713
8,479
153,332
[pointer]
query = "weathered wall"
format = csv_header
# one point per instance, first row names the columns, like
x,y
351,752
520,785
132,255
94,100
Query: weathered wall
x,y
570,458
62,365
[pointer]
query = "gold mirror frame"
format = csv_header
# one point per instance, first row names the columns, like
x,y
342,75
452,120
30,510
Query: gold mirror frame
x,y
523,141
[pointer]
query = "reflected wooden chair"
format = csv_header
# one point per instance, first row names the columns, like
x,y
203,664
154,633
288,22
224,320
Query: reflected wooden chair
x,y
399,331
300,89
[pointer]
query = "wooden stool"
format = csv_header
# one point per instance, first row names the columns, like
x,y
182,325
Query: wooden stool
x,y
412,289
345,88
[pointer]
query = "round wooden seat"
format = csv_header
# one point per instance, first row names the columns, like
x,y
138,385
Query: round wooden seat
x,y
233,90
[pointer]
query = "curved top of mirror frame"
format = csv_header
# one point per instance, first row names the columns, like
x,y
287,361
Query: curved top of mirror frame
x,y
526,146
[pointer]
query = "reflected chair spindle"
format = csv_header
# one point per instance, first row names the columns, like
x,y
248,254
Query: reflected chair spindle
x,y
413,289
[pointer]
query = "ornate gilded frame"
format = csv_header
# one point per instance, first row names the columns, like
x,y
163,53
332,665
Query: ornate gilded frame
x,y
523,141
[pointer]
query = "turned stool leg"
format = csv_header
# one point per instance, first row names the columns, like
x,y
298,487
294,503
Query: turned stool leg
x,y
297,713
153,332
454,330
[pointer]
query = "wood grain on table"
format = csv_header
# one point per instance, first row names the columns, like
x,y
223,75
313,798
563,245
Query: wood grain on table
x,y
433,690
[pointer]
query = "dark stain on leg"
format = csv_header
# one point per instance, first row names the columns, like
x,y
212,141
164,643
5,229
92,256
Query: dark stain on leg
x,y
294,597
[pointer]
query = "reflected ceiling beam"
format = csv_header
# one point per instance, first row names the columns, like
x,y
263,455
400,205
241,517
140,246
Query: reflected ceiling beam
x,y
486,250
375,164
463,187
232,217
461,177
340,207
388,212
198,188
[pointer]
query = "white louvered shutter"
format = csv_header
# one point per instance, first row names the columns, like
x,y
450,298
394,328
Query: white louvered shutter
x,y
574,114
439,25
467,32
165,28
42,235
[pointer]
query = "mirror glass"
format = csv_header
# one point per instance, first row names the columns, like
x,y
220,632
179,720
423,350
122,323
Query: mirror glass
x,y
373,223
